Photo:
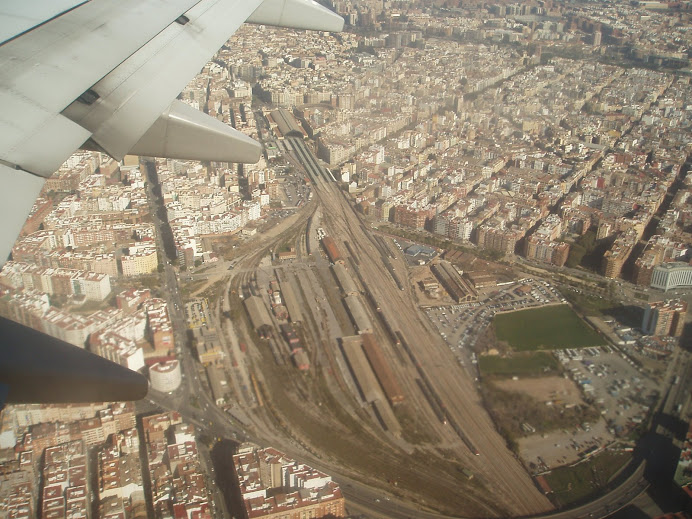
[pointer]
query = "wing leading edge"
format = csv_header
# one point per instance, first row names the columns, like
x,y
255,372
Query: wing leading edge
x,y
108,72
105,73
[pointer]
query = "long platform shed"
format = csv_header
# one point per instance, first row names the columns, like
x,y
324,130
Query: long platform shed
x,y
380,366
259,315
362,372
386,417
291,301
344,279
358,315
286,124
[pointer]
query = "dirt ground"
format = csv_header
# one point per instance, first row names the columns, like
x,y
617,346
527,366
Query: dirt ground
x,y
556,448
559,390
542,452
419,274
472,263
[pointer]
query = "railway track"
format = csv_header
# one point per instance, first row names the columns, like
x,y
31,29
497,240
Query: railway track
x,y
443,391
454,395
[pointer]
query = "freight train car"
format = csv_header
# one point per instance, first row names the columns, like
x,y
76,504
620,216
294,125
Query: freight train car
x,y
383,372
332,250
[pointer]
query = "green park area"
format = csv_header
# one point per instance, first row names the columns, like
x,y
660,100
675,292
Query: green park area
x,y
578,482
525,364
546,328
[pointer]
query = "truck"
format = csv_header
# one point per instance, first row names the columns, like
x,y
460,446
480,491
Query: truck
x,y
467,473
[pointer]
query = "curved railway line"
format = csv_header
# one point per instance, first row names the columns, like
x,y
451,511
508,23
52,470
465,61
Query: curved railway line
x,y
450,387
430,364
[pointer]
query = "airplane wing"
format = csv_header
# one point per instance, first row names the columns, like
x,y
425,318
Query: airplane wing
x,y
104,74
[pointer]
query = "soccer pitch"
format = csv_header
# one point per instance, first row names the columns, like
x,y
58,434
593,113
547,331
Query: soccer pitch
x,y
546,328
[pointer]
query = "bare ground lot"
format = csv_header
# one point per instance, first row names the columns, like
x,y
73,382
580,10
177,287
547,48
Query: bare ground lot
x,y
420,274
562,446
472,263
557,448
558,390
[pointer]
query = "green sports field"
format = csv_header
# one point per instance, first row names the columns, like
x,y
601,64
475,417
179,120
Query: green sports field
x,y
546,328
525,364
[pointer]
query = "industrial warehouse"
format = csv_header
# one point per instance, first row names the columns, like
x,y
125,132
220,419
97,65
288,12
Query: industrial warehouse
x,y
460,290
366,365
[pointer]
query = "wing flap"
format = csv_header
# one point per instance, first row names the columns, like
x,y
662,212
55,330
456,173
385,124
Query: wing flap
x,y
297,14
26,128
132,59
22,16
44,70
136,92
16,200
183,132
74,51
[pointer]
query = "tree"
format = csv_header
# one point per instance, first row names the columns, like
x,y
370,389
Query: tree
x,y
576,254
588,241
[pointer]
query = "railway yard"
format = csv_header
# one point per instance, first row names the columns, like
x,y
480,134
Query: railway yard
x,y
331,350
336,345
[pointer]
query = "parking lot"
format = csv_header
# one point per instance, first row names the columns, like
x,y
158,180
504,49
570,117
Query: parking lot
x,y
609,380
604,377
461,325
196,313
296,191
612,381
